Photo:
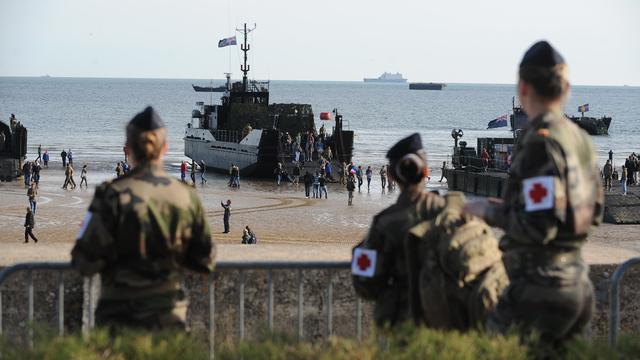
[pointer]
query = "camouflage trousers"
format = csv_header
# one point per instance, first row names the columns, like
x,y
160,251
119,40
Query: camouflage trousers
x,y
555,313
162,311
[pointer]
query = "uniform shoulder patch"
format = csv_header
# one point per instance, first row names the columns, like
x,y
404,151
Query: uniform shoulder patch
x,y
364,262
538,193
543,132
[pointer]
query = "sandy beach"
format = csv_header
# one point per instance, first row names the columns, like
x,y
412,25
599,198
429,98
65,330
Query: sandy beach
x,y
288,225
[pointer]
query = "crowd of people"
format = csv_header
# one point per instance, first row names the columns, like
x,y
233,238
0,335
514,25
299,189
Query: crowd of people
x,y
628,175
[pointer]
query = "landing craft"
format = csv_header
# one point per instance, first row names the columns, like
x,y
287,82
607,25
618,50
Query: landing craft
x,y
246,131
13,148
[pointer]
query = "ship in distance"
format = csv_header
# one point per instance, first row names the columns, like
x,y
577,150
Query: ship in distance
x,y
427,86
387,78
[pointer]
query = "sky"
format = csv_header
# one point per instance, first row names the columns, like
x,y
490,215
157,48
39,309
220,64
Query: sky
x,y
345,40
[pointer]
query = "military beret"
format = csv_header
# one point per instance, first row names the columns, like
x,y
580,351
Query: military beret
x,y
408,145
147,120
541,54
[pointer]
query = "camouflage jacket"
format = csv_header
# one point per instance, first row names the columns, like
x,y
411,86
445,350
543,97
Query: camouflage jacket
x,y
140,231
554,194
386,279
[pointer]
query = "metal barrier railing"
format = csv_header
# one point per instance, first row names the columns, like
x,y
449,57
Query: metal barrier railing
x,y
88,295
614,298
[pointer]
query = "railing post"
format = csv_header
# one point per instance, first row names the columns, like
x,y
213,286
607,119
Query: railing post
x,y
30,309
358,317
300,306
241,304
614,299
330,305
60,303
270,299
212,309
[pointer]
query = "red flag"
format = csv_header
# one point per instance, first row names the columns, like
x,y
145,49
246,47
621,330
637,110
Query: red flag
x,y
325,115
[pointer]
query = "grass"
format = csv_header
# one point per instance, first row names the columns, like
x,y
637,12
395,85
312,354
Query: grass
x,y
404,344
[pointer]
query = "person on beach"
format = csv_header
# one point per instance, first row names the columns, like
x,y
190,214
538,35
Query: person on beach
x,y
553,199
119,170
183,171
351,187
39,158
68,180
248,236
278,173
623,180
295,174
308,182
316,185
32,192
29,224
227,215
63,155
485,159
369,174
194,169
203,171
607,173
83,176
45,158
322,180
70,157
35,172
359,176
343,173
379,260
383,177
140,233
26,173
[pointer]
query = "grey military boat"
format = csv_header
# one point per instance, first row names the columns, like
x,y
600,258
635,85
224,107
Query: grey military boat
x,y
246,131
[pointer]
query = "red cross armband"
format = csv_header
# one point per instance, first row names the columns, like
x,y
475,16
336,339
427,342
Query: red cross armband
x,y
543,193
364,262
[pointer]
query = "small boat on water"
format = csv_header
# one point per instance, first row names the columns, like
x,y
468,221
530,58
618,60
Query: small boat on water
x,y
209,88
427,86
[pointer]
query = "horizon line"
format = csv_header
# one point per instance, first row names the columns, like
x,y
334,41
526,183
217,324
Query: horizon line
x,y
299,80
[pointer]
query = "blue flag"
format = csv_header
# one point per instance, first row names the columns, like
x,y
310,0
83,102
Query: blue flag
x,y
497,122
227,42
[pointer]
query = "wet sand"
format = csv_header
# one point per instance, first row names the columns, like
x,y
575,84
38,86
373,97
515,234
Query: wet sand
x,y
288,226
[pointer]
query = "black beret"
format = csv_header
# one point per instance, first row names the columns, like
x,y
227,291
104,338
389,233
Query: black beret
x,y
541,54
408,145
147,120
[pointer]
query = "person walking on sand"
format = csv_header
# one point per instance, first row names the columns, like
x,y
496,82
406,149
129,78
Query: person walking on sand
x,y
359,176
323,187
193,172
45,158
83,176
203,170
183,171
26,173
607,172
70,157
623,180
278,173
69,177
308,181
39,158
383,177
351,187
316,185
29,224
369,174
119,170
227,215
32,192
63,155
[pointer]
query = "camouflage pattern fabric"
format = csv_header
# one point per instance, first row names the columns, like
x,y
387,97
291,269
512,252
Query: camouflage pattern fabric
x,y
388,286
140,231
455,269
553,197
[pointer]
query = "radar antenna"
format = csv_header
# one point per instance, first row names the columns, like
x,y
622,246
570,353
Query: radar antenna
x,y
245,48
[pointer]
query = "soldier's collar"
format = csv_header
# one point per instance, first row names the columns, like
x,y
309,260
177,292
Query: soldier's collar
x,y
155,166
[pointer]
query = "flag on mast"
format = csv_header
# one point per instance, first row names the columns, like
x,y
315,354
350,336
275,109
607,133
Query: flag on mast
x,y
498,122
227,41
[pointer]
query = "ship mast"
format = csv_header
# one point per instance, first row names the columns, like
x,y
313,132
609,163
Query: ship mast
x,y
245,48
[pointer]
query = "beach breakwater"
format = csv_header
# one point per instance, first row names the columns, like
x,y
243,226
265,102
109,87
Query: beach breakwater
x,y
15,303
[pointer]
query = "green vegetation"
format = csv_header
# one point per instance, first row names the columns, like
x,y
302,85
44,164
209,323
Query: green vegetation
x,y
407,344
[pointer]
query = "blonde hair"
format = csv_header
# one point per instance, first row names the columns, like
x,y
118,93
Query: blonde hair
x,y
146,145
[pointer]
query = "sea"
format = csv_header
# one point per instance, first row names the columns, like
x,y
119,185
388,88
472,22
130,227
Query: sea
x,y
88,115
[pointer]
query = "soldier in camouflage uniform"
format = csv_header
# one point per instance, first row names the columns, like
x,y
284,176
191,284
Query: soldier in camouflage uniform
x,y
379,265
553,197
140,232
